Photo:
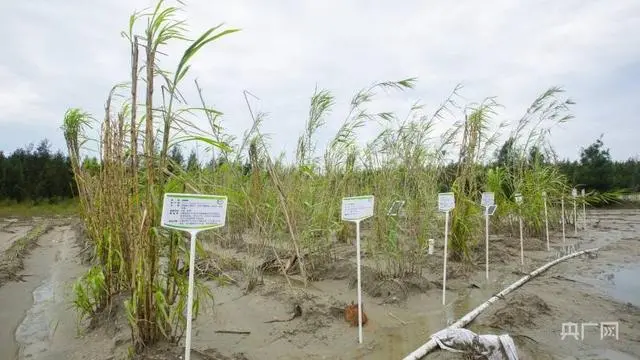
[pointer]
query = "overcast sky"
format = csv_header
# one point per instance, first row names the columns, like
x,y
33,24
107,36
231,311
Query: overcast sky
x,y
61,54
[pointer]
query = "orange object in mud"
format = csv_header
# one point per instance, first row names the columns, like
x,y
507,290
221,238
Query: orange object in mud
x,y
351,314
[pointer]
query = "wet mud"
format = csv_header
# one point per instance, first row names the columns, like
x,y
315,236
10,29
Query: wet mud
x,y
587,291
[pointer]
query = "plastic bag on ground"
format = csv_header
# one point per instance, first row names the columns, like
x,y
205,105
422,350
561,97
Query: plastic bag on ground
x,y
491,347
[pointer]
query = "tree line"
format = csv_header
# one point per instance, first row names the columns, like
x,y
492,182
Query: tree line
x,y
595,170
35,173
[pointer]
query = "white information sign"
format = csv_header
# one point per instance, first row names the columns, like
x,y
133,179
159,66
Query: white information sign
x,y
193,212
574,192
488,199
357,208
446,201
582,192
518,197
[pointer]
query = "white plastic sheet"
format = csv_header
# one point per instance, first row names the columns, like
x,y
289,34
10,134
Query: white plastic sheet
x,y
493,347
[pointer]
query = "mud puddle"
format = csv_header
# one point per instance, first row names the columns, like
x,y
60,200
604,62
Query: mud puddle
x,y
622,284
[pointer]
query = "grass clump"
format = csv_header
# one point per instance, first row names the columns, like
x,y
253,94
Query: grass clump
x,y
121,200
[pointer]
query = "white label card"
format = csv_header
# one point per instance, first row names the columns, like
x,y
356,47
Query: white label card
x,y
357,208
446,201
518,197
582,192
488,199
574,192
193,211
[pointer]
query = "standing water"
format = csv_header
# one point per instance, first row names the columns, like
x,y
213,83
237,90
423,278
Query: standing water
x,y
36,330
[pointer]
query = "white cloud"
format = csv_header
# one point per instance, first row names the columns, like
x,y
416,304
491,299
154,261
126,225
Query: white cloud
x,y
62,55
16,95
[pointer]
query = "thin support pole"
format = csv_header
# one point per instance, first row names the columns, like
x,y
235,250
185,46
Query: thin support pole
x,y
546,223
192,262
486,243
575,219
359,282
521,244
446,241
564,236
584,215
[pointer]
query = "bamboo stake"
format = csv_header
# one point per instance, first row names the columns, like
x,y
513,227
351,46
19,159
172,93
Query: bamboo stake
x,y
465,320
134,105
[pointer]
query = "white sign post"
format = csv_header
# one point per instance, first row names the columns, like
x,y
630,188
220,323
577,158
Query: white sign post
x,y
488,202
488,199
584,210
574,195
446,203
546,218
192,213
356,209
564,237
518,197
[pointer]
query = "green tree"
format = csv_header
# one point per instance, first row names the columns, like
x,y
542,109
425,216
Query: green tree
x,y
192,163
91,165
596,167
176,159
30,174
536,156
507,156
3,175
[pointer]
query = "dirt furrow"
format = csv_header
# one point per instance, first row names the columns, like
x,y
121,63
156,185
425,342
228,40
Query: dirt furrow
x,y
39,303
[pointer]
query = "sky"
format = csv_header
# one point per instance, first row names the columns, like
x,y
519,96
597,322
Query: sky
x,y
58,55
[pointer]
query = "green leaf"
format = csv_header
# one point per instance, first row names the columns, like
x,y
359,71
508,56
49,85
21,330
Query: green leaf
x,y
220,145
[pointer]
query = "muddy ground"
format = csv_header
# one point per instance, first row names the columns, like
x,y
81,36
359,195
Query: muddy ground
x,y
40,323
